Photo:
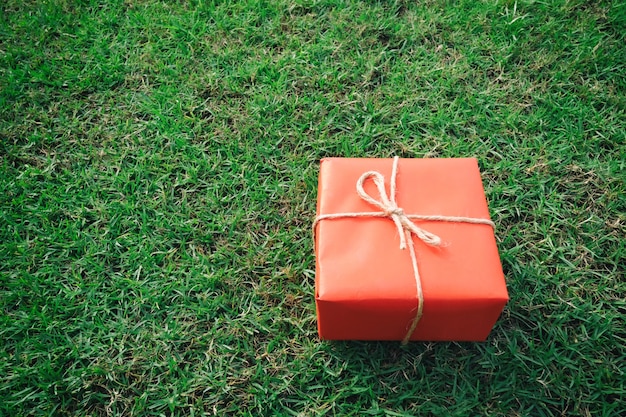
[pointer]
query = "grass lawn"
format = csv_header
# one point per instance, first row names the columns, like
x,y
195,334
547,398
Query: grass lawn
x,y
158,180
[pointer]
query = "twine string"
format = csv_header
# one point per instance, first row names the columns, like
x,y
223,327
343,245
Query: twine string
x,y
406,228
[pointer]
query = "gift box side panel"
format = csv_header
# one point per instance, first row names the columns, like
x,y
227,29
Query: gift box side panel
x,y
471,321
466,321
364,319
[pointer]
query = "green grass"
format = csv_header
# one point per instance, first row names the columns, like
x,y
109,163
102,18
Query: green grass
x,y
158,168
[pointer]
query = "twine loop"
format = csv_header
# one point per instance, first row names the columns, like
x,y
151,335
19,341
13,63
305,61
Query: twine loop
x,y
405,226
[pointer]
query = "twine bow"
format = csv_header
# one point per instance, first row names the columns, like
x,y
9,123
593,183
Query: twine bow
x,y
391,210
403,224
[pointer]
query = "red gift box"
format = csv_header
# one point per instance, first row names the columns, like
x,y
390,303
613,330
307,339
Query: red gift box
x,y
366,286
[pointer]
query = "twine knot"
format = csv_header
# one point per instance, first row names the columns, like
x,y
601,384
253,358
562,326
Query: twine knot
x,y
397,211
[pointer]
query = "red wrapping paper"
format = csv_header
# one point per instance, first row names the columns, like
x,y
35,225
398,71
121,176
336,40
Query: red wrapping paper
x,y
365,285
